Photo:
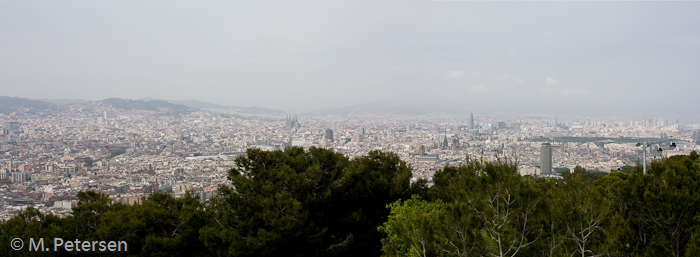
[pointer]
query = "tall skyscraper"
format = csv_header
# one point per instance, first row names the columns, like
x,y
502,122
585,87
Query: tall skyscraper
x,y
546,159
471,120
329,134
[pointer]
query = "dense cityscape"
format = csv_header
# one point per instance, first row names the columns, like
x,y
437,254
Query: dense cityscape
x,y
349,128
47,157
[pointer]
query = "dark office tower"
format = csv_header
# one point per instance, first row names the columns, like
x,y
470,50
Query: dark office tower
x,y
363,131
546,159
471,121
329,134
14,127
444,142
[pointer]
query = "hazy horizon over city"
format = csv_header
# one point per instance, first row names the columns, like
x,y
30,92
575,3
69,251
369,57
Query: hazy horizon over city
x,y
597,58
421,108
350,128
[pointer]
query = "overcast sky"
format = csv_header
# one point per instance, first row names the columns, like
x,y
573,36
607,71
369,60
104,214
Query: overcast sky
x,y
299,55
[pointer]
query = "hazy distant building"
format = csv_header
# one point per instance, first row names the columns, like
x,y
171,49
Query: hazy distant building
x,y
430,158
329,134
358,138
292,122
14,127
696,136
110,115
546,159
297,142
502,125
471,121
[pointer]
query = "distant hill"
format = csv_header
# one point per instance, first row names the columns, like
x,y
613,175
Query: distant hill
x,y
204,105
62,101
196,104
149,105
13,104
380,108
256,110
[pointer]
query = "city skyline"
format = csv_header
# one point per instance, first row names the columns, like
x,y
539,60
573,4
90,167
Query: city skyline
x,y
132,161
352,110
597,58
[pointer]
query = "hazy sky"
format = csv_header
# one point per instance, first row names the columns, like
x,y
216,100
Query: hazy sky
x,y
300,55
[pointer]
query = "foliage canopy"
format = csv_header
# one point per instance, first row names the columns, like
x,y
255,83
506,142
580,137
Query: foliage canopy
x,y
316,202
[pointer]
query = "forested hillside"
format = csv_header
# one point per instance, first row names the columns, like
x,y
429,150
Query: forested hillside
x,y
316,202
